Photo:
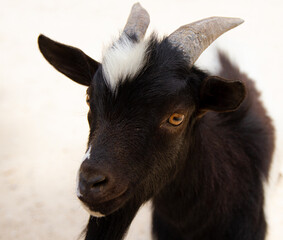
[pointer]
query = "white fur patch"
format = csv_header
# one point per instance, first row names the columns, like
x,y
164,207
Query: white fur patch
x,y
92,213
86,156
78,190
123,59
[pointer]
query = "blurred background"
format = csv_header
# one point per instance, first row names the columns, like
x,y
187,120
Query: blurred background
x,y
43,125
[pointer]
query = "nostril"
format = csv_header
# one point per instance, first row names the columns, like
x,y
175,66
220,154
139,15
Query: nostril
x,y
98,181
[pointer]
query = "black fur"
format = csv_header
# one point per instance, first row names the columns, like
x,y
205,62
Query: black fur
x,y
205,176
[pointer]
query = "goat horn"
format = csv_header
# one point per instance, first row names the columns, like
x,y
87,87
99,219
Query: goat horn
x,y
137,22
192,39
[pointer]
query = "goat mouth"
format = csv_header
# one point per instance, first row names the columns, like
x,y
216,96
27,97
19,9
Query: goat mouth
x,y
103,208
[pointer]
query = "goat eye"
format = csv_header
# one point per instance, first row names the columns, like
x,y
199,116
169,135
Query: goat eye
x,y
176,119
87,99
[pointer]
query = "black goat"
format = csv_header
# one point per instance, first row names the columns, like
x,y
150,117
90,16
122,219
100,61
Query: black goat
x,y
199,146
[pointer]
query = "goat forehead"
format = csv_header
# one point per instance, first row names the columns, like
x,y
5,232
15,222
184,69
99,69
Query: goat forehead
x,y
123,60
150,89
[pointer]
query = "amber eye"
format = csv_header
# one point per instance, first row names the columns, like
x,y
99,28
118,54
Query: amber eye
x,y
87,99
176,119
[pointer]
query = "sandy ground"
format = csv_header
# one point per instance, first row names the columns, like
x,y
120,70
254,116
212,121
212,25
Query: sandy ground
x,y
43,114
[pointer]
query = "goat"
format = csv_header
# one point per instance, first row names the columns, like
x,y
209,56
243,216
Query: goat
x,y
198,146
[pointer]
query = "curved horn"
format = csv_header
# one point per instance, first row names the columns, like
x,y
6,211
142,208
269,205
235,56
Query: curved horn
x,y
137,22
194,38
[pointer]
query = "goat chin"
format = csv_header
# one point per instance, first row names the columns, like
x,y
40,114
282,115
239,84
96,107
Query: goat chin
x,y
92,213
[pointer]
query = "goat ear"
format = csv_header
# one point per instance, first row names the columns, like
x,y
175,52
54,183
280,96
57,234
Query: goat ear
x,y
68,60
221,95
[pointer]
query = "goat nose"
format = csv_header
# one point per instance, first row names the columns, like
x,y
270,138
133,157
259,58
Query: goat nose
x,y
91,184
96,182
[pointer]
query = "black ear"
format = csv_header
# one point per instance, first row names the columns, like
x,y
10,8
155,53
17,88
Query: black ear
x,y
221,95
68,60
